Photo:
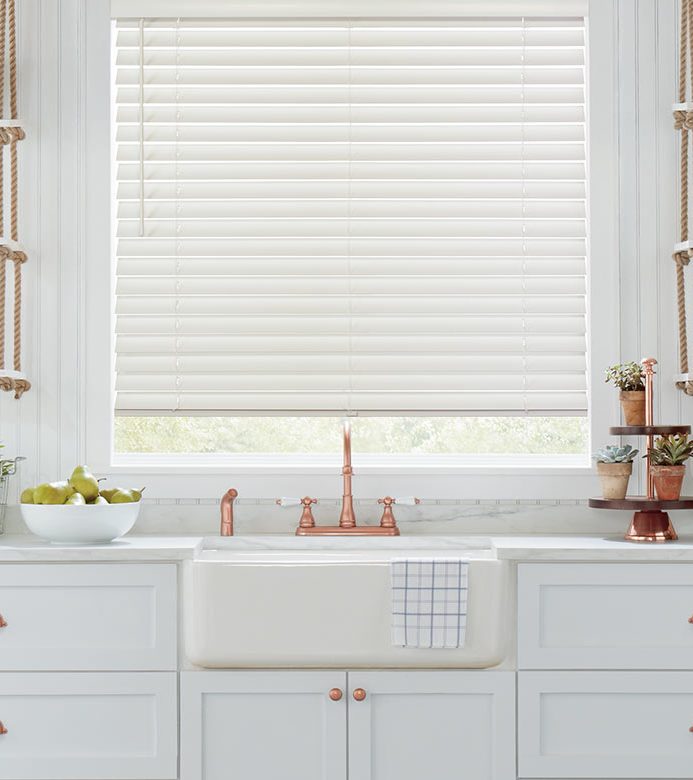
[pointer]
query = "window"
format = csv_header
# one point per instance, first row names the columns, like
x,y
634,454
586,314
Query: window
x,y
379,217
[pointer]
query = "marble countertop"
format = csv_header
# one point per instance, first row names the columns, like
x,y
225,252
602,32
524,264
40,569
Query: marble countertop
x,y
589,548
17,548
25,547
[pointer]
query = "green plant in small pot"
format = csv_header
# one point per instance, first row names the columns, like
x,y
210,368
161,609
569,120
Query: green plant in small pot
x,y
667,459
628,377
614,466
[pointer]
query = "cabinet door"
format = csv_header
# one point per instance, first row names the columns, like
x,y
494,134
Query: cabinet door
x,y
72,726
88,617
268,725
442,725
605,724
605,616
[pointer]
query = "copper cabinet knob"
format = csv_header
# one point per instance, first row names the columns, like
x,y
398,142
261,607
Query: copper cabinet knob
x,y
3,622
335,694
3,730
690,619
359,694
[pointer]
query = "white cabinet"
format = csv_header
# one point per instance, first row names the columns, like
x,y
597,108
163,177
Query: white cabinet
x,y
605,724
88,726
442,725
88,617
263,725
605,616
411,725
62,719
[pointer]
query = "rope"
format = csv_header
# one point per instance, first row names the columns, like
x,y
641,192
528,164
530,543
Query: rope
x,y
9,136
683,122
19,258
12,23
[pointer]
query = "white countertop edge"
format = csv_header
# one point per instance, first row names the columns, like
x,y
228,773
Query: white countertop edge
x,y
589,548
24,547
27,548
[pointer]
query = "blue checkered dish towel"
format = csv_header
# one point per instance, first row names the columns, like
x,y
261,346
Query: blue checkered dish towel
x,y
429,602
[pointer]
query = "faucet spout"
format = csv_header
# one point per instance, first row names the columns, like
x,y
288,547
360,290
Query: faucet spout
x,y
227,512
347,518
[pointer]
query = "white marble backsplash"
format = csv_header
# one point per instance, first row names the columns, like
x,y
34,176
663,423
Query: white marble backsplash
x,y
464,516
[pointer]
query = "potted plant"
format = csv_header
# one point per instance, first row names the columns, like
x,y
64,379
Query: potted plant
x,y
667,460
614,466
628,377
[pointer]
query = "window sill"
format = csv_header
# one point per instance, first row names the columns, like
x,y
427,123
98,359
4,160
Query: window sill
x,y
363,464
208,477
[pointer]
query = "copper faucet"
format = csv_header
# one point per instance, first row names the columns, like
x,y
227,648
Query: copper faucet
x,y
347,519
227,512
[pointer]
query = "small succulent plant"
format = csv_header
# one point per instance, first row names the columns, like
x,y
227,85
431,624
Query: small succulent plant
x,y
626,376
615,454
672,450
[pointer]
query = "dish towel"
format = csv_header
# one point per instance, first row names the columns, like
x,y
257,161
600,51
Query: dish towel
x,y
429,602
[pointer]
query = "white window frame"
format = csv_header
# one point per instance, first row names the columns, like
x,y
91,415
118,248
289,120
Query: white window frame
x,y
261,476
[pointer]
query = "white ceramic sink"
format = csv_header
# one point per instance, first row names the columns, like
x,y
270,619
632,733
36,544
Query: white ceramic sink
x,y
271,601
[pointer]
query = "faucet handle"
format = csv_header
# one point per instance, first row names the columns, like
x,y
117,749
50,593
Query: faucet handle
x,y
307,520
407,501
284,501
388,518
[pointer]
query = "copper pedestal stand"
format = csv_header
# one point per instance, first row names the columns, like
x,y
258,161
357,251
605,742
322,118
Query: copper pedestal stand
x,y
651,522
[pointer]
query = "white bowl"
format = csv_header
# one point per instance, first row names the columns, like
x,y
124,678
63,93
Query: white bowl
x,y
80,523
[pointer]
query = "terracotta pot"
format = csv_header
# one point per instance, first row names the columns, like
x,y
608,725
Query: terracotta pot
x,y
633,405
667,481
614,478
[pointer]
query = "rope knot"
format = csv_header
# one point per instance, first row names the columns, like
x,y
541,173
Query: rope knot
x,y
683,120
683,257
20,387
15,255
687,387
10,135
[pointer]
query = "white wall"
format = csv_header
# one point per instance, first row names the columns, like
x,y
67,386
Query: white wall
x,y
46,425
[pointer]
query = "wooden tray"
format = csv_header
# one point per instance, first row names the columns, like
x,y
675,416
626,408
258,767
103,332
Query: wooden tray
x,y
641,503
648,430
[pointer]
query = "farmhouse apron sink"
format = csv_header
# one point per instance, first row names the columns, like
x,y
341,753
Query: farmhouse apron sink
x,y
282,601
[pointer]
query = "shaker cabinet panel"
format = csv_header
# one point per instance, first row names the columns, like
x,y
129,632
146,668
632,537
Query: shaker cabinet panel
x,y
446,725
605,616
605,724
88,617
264,725
119,726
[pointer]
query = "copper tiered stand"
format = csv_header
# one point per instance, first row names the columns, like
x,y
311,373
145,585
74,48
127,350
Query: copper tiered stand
x,y
651,521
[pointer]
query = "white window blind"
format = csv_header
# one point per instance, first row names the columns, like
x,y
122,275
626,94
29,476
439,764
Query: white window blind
x,y
365,216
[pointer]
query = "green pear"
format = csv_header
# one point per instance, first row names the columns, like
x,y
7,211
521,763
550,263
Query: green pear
x,y
27,496
84,482
108,493
53,493
76,498
125,496
99,500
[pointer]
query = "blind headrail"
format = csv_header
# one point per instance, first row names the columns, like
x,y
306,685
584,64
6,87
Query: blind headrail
x,y
343,9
